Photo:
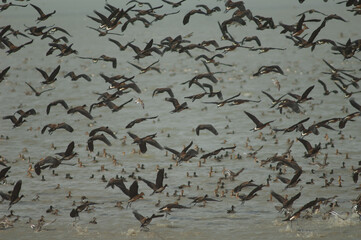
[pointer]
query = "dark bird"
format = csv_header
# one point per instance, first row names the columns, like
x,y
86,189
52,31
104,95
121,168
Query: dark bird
x,y
36,92
103,58
186,154
104,33
211,93
69,152
158,186
292,128
133,20
177,107
297,214
288,103
121,47
215,152
311,151
286,204
174,4
259,125
145,221
52,127
355,104
349,117
208,10
243,185
3,74
17,122
48,162
102,129
3,173
293,181
132,192
325,90
41,13
61,102
208,127
251,195
274,101
190,13
146,69
144,140
202,199
100,137
27,113
116,108
15,198
75,211
138,120
49,79
168,208
12,47
81,110
75,77
223,102
268,69
347,93
304,97
162,90
249,39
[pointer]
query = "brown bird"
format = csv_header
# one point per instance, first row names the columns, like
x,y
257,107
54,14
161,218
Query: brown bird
x,y
16,121
36,92
132,192
49,79
3,74
41,13
274,101
48,162
145,221
61,102
146,69
102,129
69,152
100,137
185,155
259,125
223,102
311,151
251,195
75,211
12,47
297,214
15,198
268,69
243,185
162,90
81,110
103,58
75,77
116,108
304,97
168,208
121,47
143,141
215,152
3,172
138,120
52,127
158,185
203,199
208,127
249,39
325,90
177,107
174,4
190,13
286,204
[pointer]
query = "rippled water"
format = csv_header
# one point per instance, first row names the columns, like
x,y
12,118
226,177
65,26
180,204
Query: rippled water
x,y
256,218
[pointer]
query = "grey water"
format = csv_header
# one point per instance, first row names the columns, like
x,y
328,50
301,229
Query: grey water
x,y
255,219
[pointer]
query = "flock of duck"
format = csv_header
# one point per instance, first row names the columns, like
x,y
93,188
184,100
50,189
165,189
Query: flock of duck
x,y
286,169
